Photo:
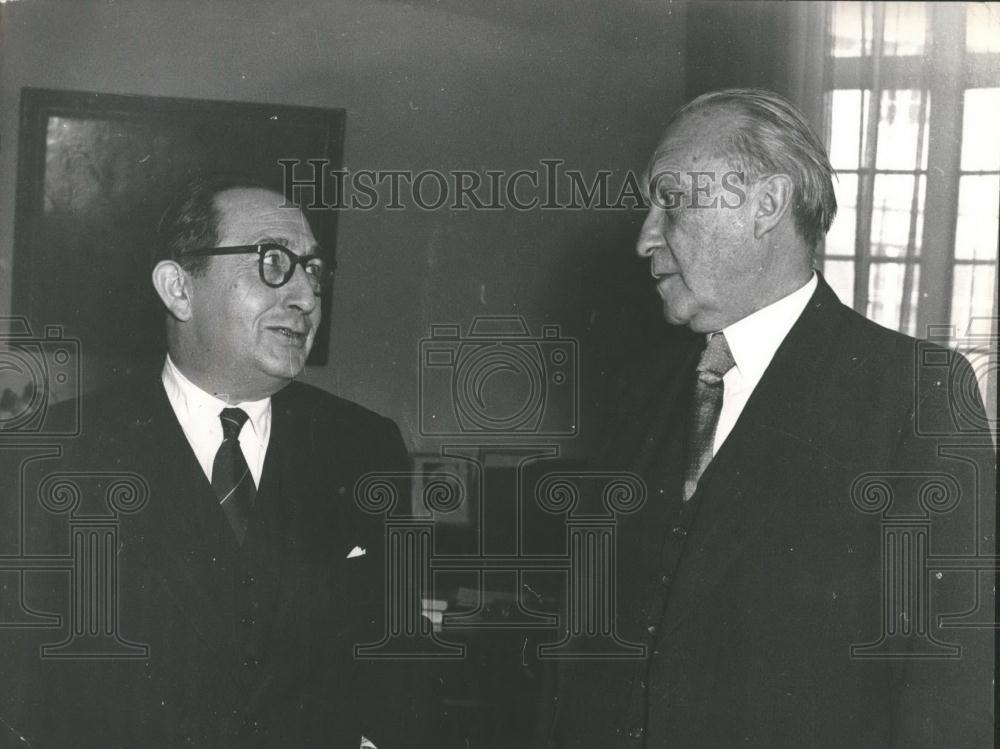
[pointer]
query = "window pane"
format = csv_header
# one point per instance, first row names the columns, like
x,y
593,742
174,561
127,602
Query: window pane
x,y
982,27
885,293
840,275
848,114
905,28
980,121
972,292
899,130
851,22
891,215
978,219
840,238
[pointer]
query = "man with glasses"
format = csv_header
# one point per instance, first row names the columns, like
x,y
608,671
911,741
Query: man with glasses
x,y
243,311
250,573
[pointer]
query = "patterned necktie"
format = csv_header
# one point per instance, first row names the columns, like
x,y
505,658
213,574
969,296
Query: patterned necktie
x,y
715,361
231,477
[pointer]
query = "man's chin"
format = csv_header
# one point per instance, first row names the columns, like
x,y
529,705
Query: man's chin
x,y
673,315
689,319
286,365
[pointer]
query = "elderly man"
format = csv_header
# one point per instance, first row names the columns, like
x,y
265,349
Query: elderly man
x,y
784,455
249,574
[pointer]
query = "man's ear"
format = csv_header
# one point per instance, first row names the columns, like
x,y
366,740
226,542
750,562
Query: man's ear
x,y
173,285
774,201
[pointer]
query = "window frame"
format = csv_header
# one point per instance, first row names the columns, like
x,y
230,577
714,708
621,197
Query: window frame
x,y
935,71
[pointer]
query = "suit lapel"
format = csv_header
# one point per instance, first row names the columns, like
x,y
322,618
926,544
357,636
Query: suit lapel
x,y
284,465
757,469
300,472
178,535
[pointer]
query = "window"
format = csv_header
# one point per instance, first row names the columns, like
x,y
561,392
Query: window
x,y
913,113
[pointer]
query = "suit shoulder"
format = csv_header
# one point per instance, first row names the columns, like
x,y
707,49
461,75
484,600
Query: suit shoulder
x,y
360,437
113,406
870,333
301,398
931,380
904,353
883,352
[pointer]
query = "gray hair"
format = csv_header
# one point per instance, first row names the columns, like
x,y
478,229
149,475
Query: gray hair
x,y
770,136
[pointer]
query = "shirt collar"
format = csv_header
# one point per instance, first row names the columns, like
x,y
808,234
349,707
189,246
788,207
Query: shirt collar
x,y
204,407
754,340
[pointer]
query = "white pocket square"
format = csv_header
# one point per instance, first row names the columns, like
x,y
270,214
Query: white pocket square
x,y
357,551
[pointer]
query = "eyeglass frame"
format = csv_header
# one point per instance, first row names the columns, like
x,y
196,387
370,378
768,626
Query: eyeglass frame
x,y
261,248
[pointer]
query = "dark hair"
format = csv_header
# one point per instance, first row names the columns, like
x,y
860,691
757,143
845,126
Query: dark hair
x,y
191,220
770,136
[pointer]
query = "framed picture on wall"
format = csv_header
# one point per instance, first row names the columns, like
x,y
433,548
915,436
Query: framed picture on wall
x,y
95,172
445,489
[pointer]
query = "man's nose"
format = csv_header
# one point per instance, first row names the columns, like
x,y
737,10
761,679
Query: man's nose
x,y
299,292
651,234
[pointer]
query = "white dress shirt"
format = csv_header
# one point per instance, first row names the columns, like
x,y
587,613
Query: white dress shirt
x,y
198,414
753,342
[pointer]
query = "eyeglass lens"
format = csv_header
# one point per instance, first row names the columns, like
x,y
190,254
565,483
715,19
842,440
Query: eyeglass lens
x,y
277,266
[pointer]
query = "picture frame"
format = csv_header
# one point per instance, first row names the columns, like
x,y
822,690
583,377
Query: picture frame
x,y
444,474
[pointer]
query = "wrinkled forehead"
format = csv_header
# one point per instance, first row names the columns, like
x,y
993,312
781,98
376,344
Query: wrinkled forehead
x,y
249,215
694,140
687,148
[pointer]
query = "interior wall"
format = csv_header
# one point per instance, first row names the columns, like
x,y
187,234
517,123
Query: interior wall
x,y
733,44
452,84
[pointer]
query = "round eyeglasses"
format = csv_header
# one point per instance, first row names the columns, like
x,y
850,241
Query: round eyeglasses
x,y
276,264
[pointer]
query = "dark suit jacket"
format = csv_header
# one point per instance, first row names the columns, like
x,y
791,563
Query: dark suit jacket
x,y
749,597
250,647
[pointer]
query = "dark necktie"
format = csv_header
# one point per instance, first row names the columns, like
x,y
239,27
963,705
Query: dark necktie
x,y
715,361
231,478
